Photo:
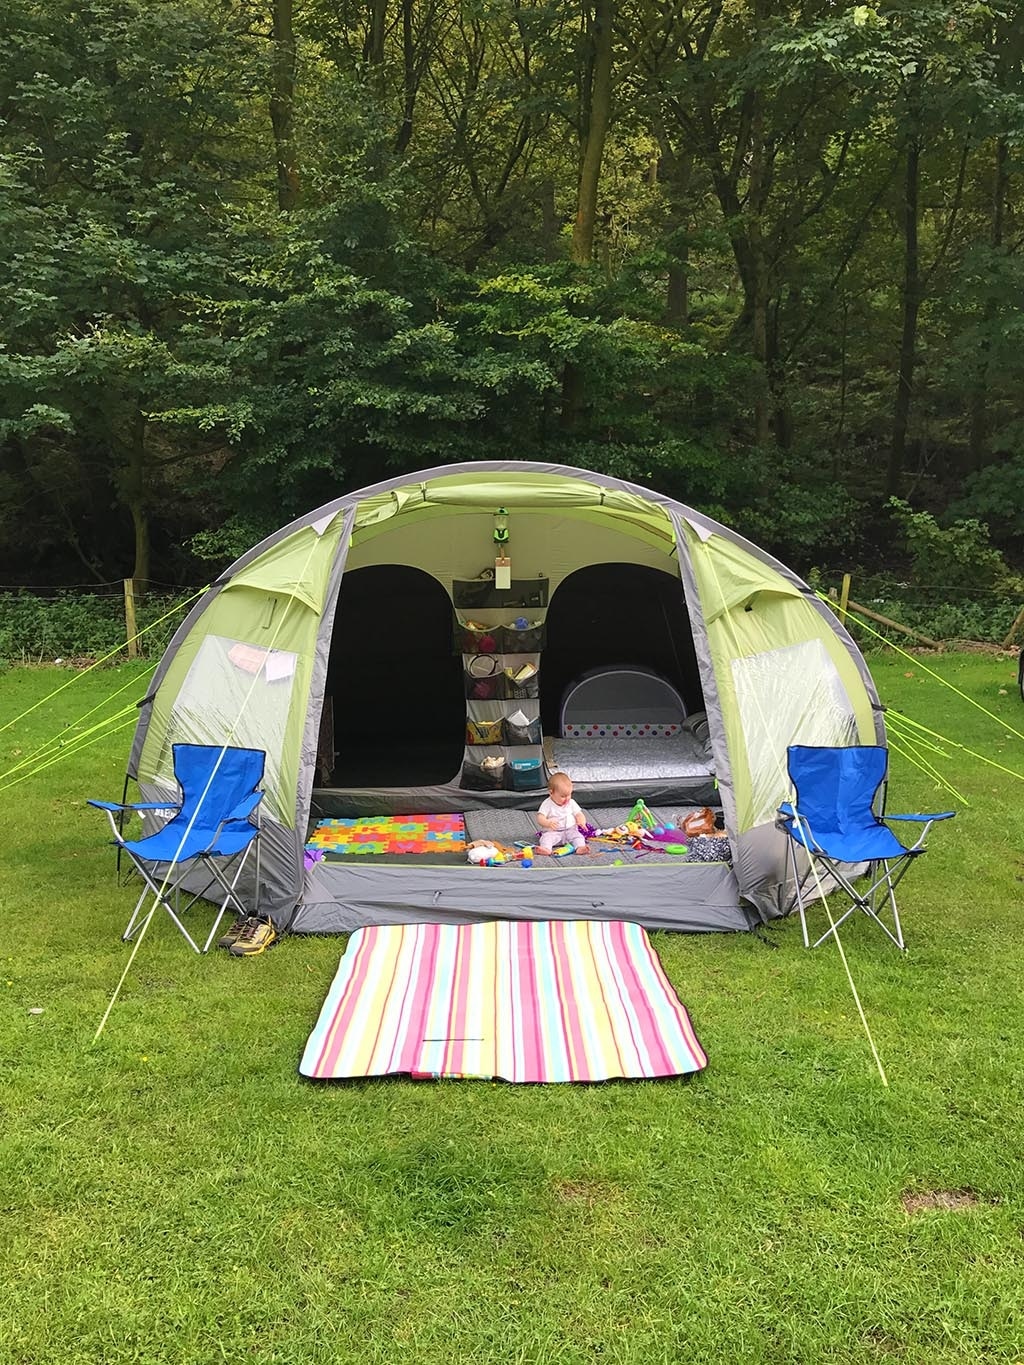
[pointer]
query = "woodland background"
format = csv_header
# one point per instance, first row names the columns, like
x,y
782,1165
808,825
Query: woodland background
x,y
763,256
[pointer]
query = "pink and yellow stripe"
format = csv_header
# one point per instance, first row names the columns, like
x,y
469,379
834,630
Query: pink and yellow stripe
x,y
561,1000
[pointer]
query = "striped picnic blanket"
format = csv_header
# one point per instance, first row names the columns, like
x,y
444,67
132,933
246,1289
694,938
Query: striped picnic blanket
x,y
566,1000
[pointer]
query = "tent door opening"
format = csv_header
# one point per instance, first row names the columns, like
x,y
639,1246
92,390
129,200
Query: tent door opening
x,y
618,614
393,697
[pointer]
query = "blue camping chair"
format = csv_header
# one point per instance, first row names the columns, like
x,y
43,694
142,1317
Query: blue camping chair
x,y
832,819
216,818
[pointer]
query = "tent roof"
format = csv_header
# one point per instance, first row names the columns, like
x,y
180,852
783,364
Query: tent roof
x,y
488,485
526,489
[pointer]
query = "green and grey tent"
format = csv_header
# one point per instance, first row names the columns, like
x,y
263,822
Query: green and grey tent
x,y
640,646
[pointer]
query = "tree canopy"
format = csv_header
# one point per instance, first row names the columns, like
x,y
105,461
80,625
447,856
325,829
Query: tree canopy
x,y
765,257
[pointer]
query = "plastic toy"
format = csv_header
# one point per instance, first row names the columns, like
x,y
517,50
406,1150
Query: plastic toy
x,y
640,815
484,853
661,841
561,850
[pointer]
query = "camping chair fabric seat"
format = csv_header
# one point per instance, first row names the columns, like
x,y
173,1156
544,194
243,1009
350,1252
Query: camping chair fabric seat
x,y
832,819
845,846
212,819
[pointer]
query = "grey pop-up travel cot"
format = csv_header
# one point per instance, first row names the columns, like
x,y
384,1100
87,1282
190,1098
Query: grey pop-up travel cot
x,y
364,644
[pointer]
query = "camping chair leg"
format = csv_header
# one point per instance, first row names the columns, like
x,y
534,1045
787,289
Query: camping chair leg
x,y
159,895
888,882
132,924
230,898
191,941
152,891
868,902
798,887
857,902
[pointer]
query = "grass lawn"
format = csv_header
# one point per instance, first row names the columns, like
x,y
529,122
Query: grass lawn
x,y
175,1193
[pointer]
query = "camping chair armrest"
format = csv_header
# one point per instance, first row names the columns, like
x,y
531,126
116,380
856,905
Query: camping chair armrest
x,y
787,812
114,808
133,805
245,807
942,815
239,814
926,821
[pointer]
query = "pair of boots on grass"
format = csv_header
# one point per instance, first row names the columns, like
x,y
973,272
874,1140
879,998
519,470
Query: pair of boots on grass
x,y
248,936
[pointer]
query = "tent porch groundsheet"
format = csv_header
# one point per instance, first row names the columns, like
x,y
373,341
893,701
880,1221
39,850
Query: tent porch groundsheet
x,y
541,1002
341,897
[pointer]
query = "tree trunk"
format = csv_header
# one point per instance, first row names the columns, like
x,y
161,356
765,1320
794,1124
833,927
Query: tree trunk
x,y
978,440
675,172
550,224
404,136
135,497
373,51
756,194
571,406
677,294
759,346
911,302
282,105
596,114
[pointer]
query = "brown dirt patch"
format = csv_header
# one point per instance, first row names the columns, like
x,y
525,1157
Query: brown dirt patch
x,y
946,1201
585,1192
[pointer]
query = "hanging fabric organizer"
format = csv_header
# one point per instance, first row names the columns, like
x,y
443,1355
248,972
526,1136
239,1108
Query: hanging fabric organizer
x,y
501,648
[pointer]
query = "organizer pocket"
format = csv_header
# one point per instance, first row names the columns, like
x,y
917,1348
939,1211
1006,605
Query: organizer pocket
x,y
484,678
526,774
483,775
520,679
526,639
525,732
471,637
485,732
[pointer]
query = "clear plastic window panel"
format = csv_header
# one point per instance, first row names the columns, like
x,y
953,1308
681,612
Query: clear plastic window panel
x,y
788,696
240,694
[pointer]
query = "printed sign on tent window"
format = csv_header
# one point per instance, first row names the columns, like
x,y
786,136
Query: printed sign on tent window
x,y
240,694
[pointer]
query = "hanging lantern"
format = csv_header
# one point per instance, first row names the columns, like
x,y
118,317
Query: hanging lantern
x,y
502,563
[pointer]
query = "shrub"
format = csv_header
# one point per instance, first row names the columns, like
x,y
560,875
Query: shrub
x,y
77,625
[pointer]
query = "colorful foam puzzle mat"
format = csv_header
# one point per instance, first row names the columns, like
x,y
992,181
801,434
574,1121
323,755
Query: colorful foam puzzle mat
x,y
390,834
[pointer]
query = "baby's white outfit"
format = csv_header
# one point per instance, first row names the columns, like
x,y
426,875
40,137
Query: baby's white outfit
x,y
568,831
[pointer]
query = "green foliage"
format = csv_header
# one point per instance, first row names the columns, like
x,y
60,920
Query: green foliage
x,y
986,620
959,556
995,496
182,365
82,625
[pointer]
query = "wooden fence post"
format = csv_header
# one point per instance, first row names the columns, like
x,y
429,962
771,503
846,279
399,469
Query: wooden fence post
x,y
129,618
1012,640
844,597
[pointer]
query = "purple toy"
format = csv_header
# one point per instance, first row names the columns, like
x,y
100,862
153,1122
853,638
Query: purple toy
x,y
665,840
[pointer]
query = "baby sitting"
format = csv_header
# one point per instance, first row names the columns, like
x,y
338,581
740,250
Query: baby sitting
x,y
560,818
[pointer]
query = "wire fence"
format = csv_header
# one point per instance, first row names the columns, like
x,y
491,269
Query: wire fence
x,y
879,608
128,619
82,622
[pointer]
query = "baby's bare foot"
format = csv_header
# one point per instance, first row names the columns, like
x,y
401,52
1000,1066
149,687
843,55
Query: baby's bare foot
x,y
583,848
544,852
